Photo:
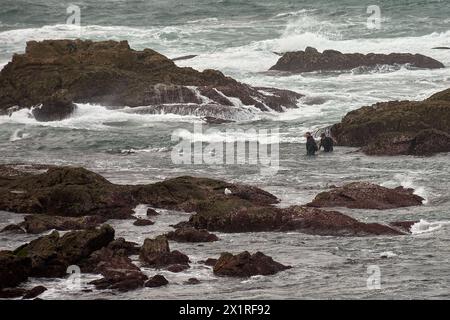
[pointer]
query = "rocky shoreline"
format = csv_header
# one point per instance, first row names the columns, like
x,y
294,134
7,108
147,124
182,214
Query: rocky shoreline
x,y
91,244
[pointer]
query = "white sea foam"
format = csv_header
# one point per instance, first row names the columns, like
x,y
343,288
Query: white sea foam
x,y
19,134
94,117
424,226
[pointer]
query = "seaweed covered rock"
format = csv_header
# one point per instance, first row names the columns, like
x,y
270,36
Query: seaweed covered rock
x,y
420,128
312,60
364,195
112,74
247,265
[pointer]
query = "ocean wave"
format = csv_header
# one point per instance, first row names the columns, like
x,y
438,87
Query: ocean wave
x,y
95,117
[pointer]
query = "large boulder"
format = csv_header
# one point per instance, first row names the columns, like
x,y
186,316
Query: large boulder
x,y
247,265
112,74
312,60
52,254
13,269
365,195
156,253
420,128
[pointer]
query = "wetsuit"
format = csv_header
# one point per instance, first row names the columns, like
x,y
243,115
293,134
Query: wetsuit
x,y
311,146
327,144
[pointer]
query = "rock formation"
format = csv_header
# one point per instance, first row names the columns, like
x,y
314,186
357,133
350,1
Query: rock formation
x,y
53,74
312,60
420,128
364,195
247,265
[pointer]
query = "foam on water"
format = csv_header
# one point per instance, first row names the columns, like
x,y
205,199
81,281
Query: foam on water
x,y
95,117
424,226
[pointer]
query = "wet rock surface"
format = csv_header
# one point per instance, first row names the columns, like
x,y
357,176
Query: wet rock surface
x,y
419,128
156,253
364,195
76,192
39,223
189,234
313,60
156,281
247,265
111,73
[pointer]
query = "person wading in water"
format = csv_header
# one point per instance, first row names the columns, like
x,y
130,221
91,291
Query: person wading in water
x,y
311,145
326,142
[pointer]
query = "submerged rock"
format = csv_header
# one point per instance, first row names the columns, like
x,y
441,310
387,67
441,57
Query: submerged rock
x,y
247,265
191,235
143,222
112,74
364,195
312,60
34,292
420,128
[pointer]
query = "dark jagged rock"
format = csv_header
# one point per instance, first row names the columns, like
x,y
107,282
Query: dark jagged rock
x,y
364,195
117,269
312,60
191,235
143,222
192,281
10,293
210,262
176,268
13,228
34,292
191,56
419,128
111,73
56,108
124,247
213,120
156,253
39,223
51,255
156,281
404,226
247,265
152,212
13,269
66,191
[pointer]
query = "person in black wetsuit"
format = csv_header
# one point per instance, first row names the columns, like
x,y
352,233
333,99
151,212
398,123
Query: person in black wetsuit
x,y
326,142
311,145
